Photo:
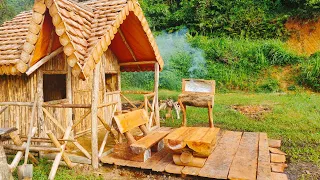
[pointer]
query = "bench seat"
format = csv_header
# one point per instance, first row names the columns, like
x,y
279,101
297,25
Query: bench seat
x,y
148,141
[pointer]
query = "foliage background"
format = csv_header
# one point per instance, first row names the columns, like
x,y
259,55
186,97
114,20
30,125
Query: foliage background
x,y
238,43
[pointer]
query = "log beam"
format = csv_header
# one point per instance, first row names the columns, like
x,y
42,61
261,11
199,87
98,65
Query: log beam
x,y
94,116
44,60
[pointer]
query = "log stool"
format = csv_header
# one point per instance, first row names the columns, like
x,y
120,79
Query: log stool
x,y
5,172
197,93
191,146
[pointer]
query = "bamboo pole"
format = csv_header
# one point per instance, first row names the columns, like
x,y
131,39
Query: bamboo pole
x,y
56,122
128,46
81,119
124,97
94,116
17,141
61,154
3,109
44,60
32,148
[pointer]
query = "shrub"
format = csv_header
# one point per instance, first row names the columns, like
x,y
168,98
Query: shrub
x,y
310,72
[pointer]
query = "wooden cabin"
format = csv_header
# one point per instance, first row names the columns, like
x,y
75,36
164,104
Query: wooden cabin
x,y
67,57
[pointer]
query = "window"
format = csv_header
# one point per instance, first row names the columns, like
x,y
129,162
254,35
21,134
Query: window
x,y
54,87
112,82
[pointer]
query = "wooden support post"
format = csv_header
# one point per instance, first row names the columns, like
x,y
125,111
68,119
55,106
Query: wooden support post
x,y
124,97
94,117
105,100
129,137
82,149
69,95
156,91
210,114
144,129
41,123
184,114
81,118
61,154
56,122
17,141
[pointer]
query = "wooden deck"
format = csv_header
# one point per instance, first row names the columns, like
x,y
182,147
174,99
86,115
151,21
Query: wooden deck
x,y
237,155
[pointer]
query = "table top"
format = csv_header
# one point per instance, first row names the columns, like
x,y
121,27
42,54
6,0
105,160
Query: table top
x,y
198,139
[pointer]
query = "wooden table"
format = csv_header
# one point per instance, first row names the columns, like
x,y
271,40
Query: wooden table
x,y
191,145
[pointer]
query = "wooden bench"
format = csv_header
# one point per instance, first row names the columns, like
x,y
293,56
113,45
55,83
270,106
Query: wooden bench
x,y
137,150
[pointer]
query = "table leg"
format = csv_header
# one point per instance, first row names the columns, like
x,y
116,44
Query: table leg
x,y
184,114
210,114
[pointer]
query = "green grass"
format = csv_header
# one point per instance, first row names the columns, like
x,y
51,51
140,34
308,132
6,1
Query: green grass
x,y
295,119
41,172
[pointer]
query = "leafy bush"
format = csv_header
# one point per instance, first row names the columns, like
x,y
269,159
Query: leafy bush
x,y
310,72
235,64
242,18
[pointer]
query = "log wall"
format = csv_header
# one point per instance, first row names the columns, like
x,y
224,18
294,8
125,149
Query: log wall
x,y
24,88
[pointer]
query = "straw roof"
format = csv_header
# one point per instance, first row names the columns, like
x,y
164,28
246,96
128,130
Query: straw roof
x,y
84,31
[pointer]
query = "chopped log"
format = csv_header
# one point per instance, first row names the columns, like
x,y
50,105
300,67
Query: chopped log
x,y
274,143
203,146
32,38
123,151
5,173
48,3
37,17
28,47
194,161
56,20
276,151
60,29
25,57
64,39
39,7
22,67
197,100
277,158
32,148
34,28
279,176
72,60
278,167
68,49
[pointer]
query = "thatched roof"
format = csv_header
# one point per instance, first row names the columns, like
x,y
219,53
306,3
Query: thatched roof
x,y
84,30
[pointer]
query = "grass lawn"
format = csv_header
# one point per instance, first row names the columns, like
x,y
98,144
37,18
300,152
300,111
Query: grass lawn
x,y
293,118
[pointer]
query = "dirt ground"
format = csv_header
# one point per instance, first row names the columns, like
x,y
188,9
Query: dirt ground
x,y
111,172
303,170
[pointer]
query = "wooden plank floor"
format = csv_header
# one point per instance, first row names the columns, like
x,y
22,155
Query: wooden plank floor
x,y
237,155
